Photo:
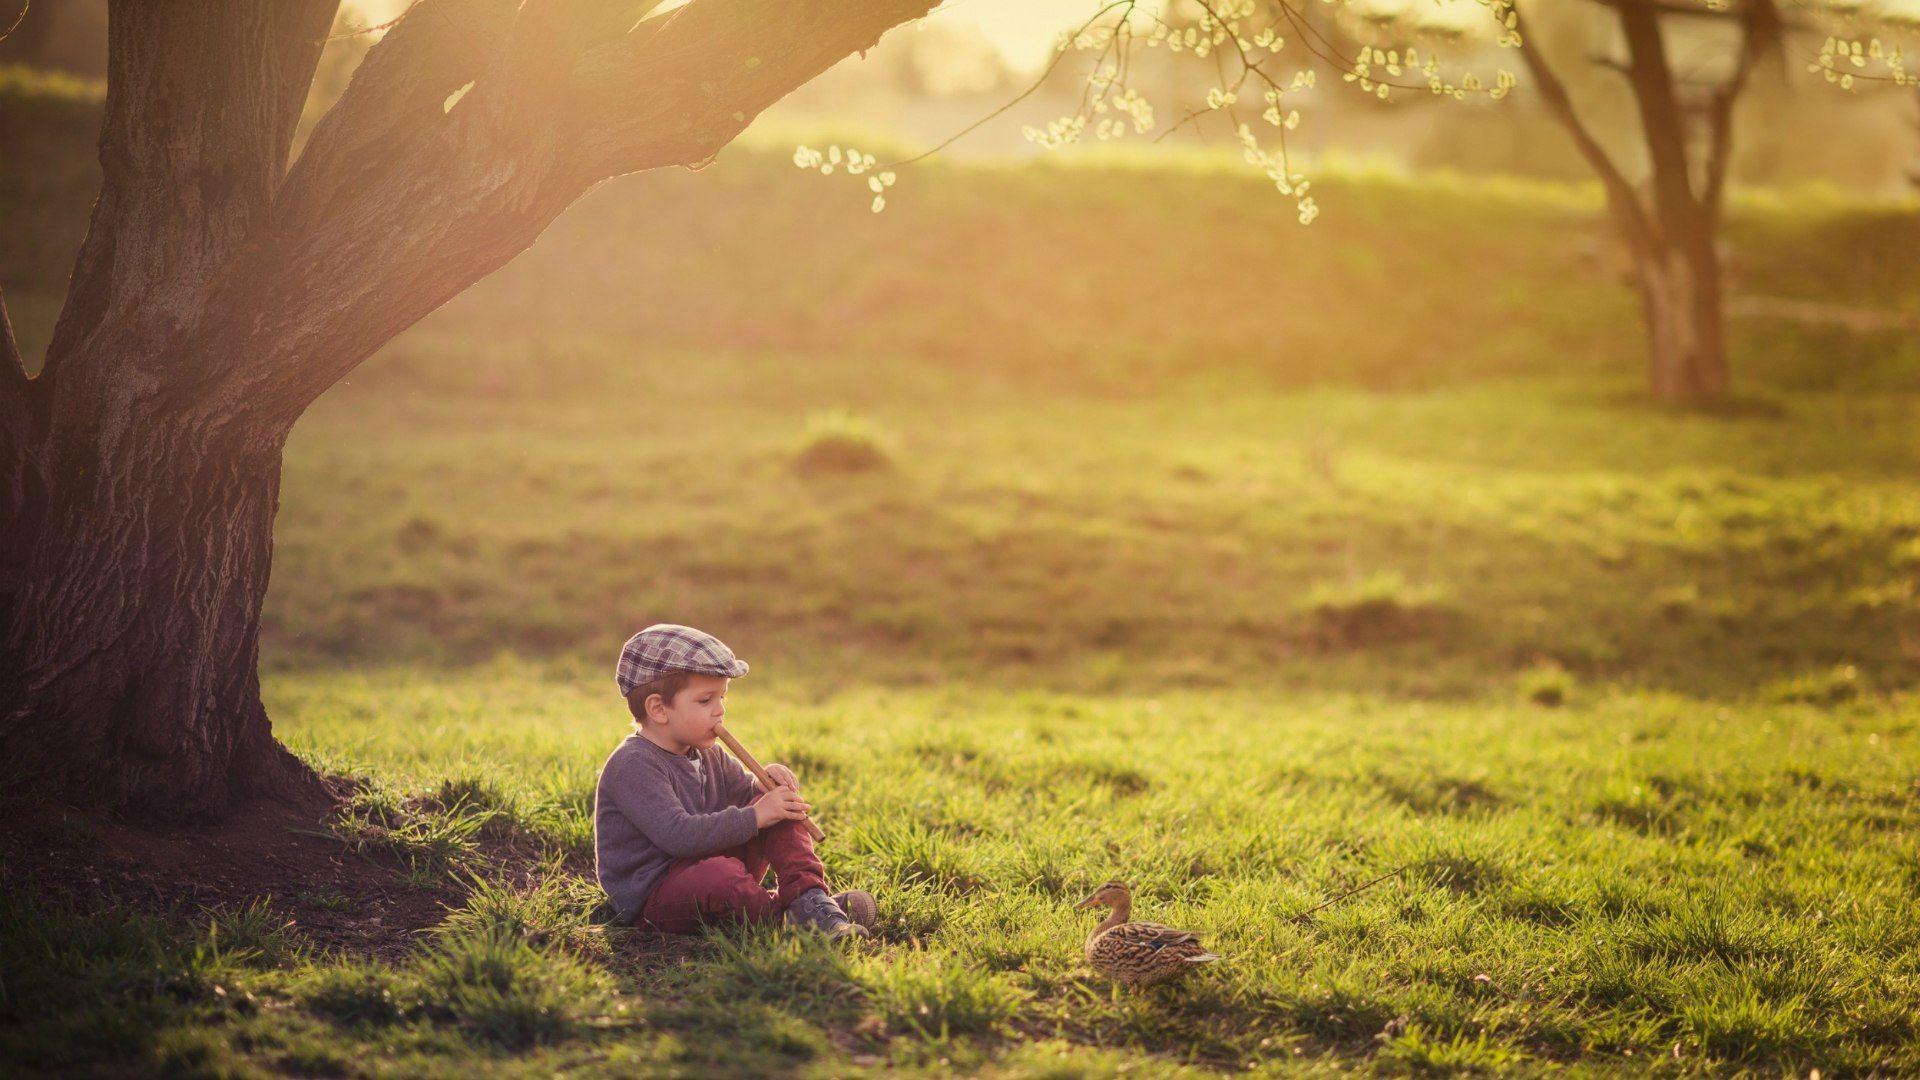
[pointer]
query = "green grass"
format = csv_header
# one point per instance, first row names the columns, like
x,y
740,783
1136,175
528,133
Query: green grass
x,y
1240,561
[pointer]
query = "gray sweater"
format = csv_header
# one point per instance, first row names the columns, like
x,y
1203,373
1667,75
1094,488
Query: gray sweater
x,y
652,807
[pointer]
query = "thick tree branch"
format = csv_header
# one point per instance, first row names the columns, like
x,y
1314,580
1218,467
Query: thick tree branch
x,y
1621,200
683,84
202,99
1694,10
406,195
1761,34
1660,121
396,96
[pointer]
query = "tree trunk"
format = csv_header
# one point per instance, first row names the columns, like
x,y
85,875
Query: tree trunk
x,y
1678,266
137,624
1686,337
218,294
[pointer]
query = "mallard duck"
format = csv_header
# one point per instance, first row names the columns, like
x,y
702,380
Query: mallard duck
x,y
1138,953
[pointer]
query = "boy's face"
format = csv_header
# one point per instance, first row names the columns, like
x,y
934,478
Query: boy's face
x,y
692,718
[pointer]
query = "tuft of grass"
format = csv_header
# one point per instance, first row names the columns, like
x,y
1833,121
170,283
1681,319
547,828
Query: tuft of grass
x,y
837,441
908,854
355,994
1458,870
505,991
1428,792
427,836
937,996
1736,1022
1655,805
1547,684
1377,608
1837,685
254,934
1423,1051
800,973
553,908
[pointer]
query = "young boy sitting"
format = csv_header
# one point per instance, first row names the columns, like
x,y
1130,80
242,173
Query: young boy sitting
x,y
682,836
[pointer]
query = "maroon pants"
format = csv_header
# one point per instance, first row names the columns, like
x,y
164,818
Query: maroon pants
x,y
725,886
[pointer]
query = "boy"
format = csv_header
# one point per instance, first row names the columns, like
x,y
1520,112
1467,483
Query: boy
x,y
682,836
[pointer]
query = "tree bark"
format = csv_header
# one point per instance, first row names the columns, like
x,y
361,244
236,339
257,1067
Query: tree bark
x,y
218,294
138,624
1680,272
1670,237
1681,306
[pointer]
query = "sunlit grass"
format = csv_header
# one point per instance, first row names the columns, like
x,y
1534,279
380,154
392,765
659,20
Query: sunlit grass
x,y
1240,561
1604,879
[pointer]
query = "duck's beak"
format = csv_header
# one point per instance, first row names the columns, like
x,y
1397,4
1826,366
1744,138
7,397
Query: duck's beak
x,y
1087,903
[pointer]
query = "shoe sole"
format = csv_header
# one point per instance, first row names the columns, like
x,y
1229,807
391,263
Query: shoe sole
x,y
860,908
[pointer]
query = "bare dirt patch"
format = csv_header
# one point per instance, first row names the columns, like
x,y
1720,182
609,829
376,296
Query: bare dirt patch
x,y
267,851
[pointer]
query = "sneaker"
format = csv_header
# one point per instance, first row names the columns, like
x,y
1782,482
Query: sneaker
x,y
859,906
815,910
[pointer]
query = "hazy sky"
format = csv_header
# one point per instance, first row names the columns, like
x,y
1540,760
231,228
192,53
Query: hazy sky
x,y
1023,30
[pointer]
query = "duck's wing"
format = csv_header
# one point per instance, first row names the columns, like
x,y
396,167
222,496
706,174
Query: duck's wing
x,y
1157,936
1133,944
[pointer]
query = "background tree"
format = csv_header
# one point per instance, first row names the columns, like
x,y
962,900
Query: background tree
x,y
1668,222
1670,225
219,292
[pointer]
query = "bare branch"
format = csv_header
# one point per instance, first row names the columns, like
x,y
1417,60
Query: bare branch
x,y
1669,7
1660,122
1761,34
1609,63
1621,200
1744,12
1041,80
18,19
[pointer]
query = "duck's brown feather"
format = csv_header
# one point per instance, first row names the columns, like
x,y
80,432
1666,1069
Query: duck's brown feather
x,y
1142,952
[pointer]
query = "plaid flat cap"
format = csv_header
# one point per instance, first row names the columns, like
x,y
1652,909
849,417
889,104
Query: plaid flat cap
x,y
668,647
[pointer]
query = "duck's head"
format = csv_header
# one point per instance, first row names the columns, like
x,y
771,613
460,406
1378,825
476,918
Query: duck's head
x,y
1112,894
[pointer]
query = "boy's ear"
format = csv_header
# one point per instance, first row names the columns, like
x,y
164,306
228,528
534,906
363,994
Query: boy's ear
x,y
655,707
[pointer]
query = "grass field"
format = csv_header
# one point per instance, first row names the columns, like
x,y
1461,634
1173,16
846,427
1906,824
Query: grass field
x,y
1092,522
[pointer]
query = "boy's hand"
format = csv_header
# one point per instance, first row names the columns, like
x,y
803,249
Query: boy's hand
x,y
780,804
783,776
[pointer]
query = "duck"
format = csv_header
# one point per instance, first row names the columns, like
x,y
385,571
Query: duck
x,y
1138,953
